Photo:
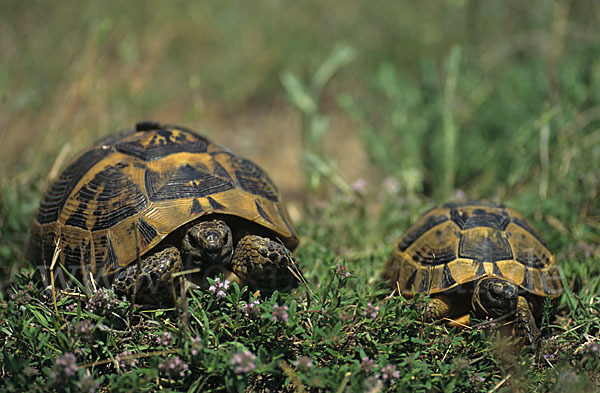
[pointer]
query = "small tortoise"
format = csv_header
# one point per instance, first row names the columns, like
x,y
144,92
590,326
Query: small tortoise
x,y
172,200
479,257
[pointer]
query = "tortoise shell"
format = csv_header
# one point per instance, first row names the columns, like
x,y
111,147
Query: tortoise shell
x,y
459,243
122,197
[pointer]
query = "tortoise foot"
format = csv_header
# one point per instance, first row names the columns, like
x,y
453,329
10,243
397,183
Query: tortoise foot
x,y
264,264
438,307
525,326
153,280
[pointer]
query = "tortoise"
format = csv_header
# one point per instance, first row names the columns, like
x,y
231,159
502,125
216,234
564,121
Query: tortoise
x,y
476,256
144,204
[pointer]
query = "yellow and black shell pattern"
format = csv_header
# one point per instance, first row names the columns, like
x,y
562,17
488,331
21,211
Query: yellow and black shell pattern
x,y
123,196
459,243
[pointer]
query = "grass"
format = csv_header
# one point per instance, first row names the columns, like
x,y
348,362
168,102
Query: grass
x,y
400,107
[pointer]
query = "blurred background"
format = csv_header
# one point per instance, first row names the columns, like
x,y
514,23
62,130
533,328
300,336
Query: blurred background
x,y
403,104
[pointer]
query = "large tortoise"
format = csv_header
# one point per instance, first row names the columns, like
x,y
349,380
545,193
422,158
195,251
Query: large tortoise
x,y
172,200
480,257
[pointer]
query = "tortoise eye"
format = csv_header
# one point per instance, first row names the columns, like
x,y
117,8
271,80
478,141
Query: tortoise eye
x,y
225,237
192,240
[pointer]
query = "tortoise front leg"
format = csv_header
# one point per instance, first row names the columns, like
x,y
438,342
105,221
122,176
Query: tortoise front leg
x,y
264,264
438,307
525,322
154,278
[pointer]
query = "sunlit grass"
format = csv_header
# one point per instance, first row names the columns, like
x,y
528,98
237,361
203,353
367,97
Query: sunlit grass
x,y
499,101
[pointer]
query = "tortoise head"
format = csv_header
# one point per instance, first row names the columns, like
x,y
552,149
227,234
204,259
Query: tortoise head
x,y
208,243
494,297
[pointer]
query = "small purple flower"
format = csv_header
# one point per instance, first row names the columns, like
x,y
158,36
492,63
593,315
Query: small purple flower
x,y
588,249
219,287
87,384
476,379
165,339
30,372
20,297
346,316
389,372
459,195
84,328
371,311
488,323
243,362
303,363
65,367
360,186
126,360
391,185
102,301
280,313
196,346
173,366
251,309
342,271
70,307
367,365
374,383
593,348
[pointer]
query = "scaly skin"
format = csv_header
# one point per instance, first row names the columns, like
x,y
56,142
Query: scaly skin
x,y
494,298
437,308
257,261
525,322
263,263
208,243
154,279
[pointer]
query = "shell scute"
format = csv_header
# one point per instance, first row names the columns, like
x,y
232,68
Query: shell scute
x,y
458,243
124,195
